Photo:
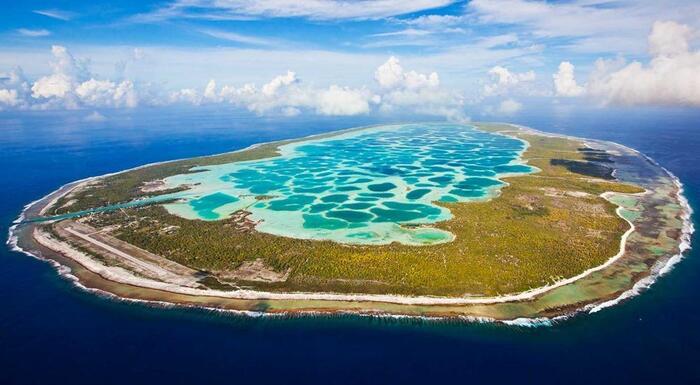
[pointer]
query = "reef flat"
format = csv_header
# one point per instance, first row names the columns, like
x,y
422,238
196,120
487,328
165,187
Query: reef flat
x,y
482,220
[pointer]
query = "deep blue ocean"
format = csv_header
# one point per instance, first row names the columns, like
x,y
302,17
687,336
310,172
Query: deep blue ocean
x,y
53,333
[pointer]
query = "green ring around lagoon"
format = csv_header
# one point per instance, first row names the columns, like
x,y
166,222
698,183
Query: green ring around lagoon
x,y
372,186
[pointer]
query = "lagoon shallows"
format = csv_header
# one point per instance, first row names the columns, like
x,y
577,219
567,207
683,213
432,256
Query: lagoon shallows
x,y
360,187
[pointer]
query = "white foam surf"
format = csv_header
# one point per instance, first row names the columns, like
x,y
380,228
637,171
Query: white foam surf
x,y
663,267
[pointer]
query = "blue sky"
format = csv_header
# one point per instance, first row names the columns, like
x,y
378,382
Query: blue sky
x,y
496,56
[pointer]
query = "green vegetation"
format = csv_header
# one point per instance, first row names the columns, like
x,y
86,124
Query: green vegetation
x,y
125,186
543,227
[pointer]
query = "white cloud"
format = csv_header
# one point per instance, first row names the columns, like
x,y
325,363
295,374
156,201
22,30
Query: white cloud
x,y
427,30
8,98
56,14
95,117
72,85
342,101
506,107
94,91
287,95
185,95
279,82
504,80
56,85
107,93
391,75
103,93
67,73
15,88
435,21
210,92
462,65
498,40
239,38
125,95
415,91
291,111
409,32
672,77
593,25
565,81
312,9
509,107
669,38
33,32
66,64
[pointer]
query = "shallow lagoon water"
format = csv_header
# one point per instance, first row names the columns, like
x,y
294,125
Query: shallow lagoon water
x,y
358,187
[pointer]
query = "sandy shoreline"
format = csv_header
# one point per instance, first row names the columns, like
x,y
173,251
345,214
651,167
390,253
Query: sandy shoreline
x,y
123,276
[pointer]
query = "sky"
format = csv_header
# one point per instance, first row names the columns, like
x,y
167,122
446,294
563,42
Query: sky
x,y
444,58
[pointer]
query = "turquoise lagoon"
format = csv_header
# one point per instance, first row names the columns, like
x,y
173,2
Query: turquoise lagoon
x,y
371,186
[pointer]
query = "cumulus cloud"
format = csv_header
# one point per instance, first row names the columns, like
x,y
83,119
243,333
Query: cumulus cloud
x,y
210,92
505,107
285,94
505,80
65,63
67,74
415,91
279,82
669,38
71,85
9,98
391,75
57,88
672,77
342,101
509,107
565,81
55,85
106,93
185,96
14,89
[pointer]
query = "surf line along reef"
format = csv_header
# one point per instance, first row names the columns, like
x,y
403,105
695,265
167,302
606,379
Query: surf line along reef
x,y
490,221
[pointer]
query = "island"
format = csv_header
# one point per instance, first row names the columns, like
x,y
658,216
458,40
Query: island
x,y
480,221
